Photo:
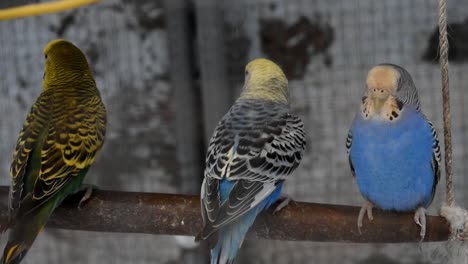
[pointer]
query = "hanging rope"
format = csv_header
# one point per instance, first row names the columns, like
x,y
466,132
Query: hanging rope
x,y
42,8
443,60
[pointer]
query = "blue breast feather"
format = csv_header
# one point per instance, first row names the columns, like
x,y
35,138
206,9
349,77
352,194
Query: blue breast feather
x,y
392,161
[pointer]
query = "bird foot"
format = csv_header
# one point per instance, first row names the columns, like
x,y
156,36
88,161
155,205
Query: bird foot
x,y
88,189
420,220
366,208
285,200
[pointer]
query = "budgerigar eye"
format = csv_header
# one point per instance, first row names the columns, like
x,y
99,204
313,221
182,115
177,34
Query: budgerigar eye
x,y
45,56
246,72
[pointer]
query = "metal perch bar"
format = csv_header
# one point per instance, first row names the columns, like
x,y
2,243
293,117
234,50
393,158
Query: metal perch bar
x,y
171,214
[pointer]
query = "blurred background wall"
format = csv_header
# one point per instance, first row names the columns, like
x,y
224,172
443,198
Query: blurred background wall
x,y
167,71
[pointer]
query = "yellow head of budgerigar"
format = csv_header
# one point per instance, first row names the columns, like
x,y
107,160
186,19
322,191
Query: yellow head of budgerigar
x,y
265,80
382,81
64,62
382,86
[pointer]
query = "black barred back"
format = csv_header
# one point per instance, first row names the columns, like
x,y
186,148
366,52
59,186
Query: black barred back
x,y
256,140
62,133
349,142
257,144
436,157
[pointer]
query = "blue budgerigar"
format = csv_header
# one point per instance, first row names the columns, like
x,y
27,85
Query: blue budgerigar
x,y
254,148
393,149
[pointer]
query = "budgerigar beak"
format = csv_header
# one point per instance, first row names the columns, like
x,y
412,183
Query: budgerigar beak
x,y
378,103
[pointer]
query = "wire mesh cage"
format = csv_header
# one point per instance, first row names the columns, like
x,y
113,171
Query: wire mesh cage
x,y
325,47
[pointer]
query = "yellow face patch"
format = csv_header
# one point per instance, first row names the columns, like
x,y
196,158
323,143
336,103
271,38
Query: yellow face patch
x,y
382,78
380,102
389,111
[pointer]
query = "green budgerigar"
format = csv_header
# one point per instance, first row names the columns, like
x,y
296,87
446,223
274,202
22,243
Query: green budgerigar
x,y
59,141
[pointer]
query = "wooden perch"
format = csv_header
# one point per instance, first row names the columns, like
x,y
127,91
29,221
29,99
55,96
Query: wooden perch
x,y
42,8
170,214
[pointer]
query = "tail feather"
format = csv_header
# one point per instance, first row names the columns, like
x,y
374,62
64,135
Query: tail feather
x,y
231,237
14,253
21,236
225,252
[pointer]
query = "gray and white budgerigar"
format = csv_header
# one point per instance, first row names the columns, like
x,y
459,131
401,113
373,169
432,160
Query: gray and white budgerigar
x,y
253,150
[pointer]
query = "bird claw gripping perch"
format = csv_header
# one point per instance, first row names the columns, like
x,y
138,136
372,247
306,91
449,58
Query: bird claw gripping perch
x,y
366,208
420,220
88,189
285,200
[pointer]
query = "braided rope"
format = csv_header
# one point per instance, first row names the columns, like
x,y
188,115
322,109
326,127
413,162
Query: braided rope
x,y
443,60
